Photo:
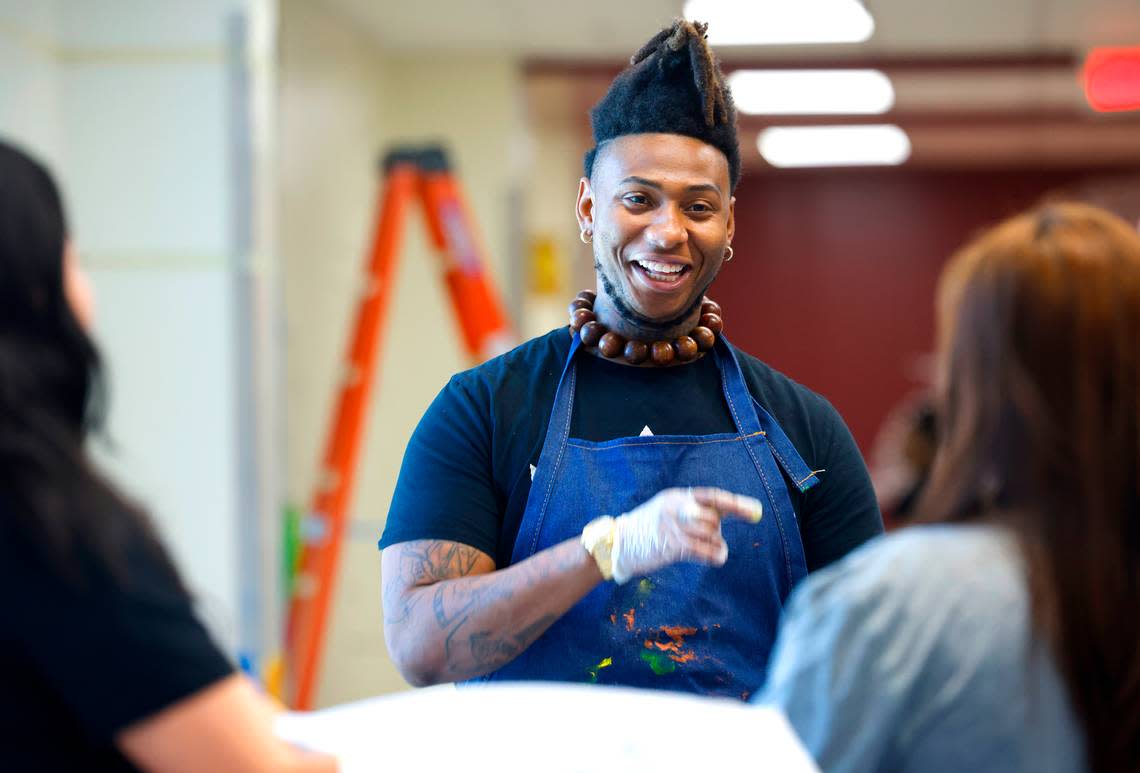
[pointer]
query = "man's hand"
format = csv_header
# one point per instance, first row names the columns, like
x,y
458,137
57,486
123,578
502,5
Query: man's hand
x,y
450,615
677,525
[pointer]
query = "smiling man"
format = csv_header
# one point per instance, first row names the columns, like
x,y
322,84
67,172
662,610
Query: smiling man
x,y
630,503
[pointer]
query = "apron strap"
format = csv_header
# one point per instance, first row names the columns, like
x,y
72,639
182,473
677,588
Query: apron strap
x,y
550,458
794,466
756,421
759,420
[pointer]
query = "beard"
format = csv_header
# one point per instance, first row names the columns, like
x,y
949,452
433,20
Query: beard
x,y
625,310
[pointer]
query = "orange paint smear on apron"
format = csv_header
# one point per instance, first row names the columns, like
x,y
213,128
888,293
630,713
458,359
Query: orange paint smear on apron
x,y
675,647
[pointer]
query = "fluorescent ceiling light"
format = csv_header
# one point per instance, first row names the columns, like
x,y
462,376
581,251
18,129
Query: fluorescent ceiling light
x,y
772,22
786,146
811,92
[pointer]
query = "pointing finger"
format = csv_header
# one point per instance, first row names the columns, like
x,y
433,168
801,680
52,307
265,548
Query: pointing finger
x,y
729,504
712,552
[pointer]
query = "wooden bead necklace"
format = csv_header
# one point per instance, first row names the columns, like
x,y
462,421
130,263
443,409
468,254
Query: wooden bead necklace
x,y
584,322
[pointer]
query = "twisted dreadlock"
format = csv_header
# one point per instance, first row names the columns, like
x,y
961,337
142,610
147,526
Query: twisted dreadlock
x,y
706,74
673,86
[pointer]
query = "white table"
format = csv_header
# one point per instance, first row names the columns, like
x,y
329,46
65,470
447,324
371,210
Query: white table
x,y
552,728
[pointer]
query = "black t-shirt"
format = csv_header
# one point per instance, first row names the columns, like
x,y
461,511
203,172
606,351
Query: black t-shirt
x,y
83,659
466,471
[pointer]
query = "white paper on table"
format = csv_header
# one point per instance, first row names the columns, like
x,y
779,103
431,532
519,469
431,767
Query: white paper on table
x,y
554,728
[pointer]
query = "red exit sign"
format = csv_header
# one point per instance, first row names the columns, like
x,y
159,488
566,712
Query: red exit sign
x,y
1111,78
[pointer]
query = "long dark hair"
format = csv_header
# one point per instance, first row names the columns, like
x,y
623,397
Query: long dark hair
x,y
51,393
1040,417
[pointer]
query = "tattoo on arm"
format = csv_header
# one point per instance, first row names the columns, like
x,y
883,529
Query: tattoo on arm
x,y
467,602
424,562
452,607
488,652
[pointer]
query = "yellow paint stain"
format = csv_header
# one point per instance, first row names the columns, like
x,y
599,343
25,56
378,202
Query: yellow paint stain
x,y
592,674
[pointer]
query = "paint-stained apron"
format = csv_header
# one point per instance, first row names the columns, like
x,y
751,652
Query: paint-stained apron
x,y
687,627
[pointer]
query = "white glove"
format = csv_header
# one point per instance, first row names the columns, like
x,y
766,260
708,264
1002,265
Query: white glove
x,y
677,525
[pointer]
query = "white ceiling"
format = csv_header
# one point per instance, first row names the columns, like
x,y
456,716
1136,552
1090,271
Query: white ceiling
x,y
603,29
976,81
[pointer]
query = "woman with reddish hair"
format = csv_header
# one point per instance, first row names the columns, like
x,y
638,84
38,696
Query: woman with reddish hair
x,y
1004,633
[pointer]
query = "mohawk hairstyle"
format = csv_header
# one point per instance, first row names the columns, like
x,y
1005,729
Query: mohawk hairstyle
x,y
673,86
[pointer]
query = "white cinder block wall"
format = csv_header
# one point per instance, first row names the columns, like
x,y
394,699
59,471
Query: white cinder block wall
x,y
139,109
343,100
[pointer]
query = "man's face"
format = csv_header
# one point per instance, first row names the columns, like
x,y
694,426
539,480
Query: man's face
x,y
662,214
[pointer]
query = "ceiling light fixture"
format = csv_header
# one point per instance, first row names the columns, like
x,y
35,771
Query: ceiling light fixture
x,y
811,92
814,146
774,22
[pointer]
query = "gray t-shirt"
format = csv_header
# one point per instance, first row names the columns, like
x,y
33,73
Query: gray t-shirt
x,y
916,653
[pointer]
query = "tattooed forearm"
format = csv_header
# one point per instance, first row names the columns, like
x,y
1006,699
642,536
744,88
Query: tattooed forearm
x,y
479,618
450,623
420,563
489,651
452,603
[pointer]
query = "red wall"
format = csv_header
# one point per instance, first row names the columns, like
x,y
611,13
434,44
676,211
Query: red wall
x,y
834,273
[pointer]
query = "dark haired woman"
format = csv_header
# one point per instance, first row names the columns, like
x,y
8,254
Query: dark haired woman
x,y
104,665
1005,634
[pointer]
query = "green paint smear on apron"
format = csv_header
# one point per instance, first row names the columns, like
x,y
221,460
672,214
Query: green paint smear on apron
x,y
659,662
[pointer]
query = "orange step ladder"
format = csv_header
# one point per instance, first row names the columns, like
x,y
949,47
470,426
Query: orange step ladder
x,y
408,174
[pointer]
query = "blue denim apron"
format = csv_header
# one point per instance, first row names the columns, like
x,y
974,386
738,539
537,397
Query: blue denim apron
x,y
687,627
